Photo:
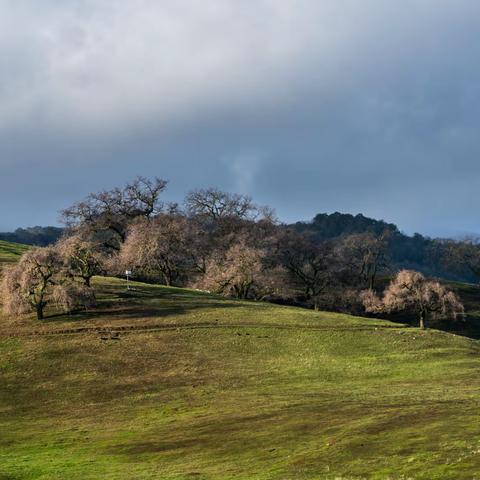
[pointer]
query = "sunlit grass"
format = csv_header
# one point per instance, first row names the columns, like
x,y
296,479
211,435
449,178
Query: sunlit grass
x,y
233,390
11,252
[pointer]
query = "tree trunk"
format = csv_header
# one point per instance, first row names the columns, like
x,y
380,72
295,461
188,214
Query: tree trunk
x,y
40,311
423,318
168,279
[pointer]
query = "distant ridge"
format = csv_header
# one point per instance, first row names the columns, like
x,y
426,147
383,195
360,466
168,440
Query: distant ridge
x,y
39,236
415,252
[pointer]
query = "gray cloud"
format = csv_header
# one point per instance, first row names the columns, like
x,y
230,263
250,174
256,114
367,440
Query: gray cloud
x,y
307,105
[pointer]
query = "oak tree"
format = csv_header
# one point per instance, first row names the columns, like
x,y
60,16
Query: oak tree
x,y
410,290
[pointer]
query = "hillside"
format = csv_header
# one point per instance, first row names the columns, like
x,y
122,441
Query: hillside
x,y
177,384
10,252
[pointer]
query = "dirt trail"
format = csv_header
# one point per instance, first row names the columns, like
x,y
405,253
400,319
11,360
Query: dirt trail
x,y
124,329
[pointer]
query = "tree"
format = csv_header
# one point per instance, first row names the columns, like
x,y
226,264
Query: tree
x,y
81,258
410,290
165,245
214,204
462,257
108,213
364,255
37,280
242,272
222,218
326,226
311,265
28,284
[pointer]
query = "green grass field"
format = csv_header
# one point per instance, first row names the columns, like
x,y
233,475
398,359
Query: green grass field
x,y
11,252
166,383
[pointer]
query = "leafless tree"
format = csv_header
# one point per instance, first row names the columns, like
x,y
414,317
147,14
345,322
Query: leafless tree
x,y
28,284
37,280
243,271
364,255
222,219
108,213
462,256
410,290
164,246
312,266
214,204
81,258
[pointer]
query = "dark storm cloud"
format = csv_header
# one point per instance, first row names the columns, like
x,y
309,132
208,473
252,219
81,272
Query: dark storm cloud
x,y
307,105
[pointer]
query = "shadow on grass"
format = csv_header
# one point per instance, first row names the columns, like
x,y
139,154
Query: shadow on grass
x,y
470,297
142,303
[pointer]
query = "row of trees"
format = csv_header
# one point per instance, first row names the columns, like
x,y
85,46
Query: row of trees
x,y
445,258
215,241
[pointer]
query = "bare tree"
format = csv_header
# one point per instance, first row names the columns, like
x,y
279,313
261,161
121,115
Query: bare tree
x,y
27,285
223,218
214,204
81,258
164,245
37,280
141,197
243,271
364,256
108,213
462,257
312,266
410,290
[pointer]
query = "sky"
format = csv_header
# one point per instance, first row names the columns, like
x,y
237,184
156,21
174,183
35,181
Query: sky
x,y
309,106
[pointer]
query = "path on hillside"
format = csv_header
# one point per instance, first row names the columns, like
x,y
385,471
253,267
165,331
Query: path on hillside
x,y
128,329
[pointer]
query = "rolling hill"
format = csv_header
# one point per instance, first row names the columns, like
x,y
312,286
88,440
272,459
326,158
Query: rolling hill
x,y
177,384
11,252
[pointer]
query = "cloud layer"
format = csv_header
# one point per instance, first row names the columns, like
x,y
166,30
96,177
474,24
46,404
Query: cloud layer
x,y
309,105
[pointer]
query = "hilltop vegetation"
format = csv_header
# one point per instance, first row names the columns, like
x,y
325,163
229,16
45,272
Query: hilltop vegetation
x,y
448,259
439,257
223,243
39,236
176,384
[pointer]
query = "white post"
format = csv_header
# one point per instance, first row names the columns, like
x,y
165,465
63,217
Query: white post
x,y
128,273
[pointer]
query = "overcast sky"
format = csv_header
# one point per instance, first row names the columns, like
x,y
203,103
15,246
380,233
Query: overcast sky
x,y
310,106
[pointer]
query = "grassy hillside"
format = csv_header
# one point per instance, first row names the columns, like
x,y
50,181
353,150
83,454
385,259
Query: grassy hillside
x,y
10,252
168,383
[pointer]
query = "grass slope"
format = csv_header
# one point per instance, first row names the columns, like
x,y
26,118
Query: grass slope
x,y
208,388
11,252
